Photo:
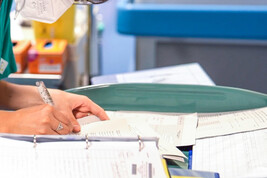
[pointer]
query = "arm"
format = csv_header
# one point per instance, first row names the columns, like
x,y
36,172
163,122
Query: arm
x,y
14,96
68,107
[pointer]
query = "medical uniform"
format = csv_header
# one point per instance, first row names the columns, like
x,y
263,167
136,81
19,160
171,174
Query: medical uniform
x,y
7,59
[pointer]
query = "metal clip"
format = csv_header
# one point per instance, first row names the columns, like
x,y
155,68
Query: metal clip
x,y
141,144
87,142
34,141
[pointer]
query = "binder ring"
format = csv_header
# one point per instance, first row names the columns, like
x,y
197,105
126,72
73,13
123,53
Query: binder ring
x,y
87,142
141,144
34,141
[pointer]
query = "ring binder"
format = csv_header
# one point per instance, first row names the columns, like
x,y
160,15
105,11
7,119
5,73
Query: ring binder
x,y
141,144
66,156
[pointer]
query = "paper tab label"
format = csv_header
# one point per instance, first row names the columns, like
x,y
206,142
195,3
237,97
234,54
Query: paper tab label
x,y
3,65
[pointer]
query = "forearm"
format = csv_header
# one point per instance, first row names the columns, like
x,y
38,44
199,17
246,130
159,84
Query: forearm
x,y
5,125
14,96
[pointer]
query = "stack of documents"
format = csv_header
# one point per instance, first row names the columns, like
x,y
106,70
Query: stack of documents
x,y
172,130
233,144
227,143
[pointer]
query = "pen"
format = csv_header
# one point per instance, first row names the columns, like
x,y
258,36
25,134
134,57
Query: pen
x,y
44,93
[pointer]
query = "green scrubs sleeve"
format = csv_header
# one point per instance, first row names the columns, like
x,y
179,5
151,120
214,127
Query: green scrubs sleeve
x,y
7,59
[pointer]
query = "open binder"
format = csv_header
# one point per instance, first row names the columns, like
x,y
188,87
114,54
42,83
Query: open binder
x,y
76,156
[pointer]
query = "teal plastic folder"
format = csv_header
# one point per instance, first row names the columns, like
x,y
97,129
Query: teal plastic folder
x,y
172,97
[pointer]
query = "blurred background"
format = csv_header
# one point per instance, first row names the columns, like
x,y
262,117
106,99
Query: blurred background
x,y
206,42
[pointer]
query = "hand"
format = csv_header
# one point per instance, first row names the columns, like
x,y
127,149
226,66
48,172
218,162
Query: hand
x,y
75,106
38,120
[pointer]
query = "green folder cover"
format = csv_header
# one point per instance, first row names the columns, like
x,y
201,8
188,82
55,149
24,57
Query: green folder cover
x,y
172,97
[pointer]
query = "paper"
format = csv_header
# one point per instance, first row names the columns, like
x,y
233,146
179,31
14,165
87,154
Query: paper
x,y
223,124
92,126
181,74
237,155
167,150
172,129
71,159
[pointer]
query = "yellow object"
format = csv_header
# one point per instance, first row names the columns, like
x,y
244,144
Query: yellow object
x,y
184,177
165,167
63,28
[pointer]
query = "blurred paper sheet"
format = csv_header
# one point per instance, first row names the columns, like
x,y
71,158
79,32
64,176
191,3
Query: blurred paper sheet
x,y
180,74
191,73
209,126
236,155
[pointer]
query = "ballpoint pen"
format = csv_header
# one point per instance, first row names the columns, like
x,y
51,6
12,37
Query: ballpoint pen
x,y
47,98
44,93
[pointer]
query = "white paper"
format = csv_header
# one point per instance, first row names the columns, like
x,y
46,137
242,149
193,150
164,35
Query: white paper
x,y
167,150
237,155
92,126
71,159
180,74
173,129
230,123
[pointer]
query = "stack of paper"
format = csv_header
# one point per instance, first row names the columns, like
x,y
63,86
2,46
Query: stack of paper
x,y
172,130
233,144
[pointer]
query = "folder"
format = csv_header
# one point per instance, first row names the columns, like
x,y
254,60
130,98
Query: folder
x,y
76,156
172,97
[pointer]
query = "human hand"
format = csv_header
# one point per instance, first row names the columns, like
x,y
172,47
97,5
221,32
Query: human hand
x,y
75,106
37,120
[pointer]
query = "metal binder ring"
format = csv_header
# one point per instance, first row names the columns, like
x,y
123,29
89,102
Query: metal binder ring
x,y
59,127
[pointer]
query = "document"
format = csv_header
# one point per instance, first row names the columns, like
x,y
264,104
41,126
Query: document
x,y
236,122
237,155
70,159
92,126
180,74
172,130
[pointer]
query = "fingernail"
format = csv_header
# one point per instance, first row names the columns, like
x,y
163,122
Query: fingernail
x,y
76,128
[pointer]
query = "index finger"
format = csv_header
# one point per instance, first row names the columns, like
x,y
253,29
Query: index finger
x,y
98,111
